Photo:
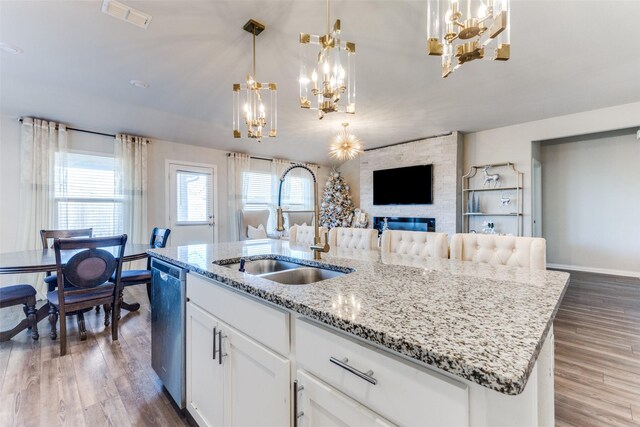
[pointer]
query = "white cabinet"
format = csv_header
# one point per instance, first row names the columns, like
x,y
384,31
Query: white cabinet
x,y
233,380
204,373
320,405
257,383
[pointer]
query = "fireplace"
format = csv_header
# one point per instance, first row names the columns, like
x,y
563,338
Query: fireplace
x,y
408,224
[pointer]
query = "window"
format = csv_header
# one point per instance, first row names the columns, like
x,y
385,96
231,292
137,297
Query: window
x,y
192,197
87,195
257,190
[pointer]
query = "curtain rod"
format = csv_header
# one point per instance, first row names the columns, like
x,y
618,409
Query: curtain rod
x,y
83,130
407,142
269,159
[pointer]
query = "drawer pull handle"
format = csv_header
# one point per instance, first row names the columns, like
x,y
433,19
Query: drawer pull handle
x,y
214,343
296,388
367,376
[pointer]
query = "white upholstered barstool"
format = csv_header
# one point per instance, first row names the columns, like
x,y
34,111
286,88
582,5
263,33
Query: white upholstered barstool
x,y
365,239
529,252
304,234
420,244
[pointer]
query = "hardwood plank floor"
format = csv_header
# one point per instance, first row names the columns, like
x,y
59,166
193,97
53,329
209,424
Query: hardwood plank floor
x,y
98,382
597,363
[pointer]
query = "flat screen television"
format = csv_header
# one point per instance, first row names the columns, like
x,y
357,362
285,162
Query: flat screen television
x,y
403,186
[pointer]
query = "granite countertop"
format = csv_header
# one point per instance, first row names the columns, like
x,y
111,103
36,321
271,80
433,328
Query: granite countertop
x,y
480,322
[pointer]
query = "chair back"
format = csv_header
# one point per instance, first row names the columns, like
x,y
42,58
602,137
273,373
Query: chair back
x,y
419,244
529,252
299,218
90,267
354,238
159,237
46,235
252,218
304,235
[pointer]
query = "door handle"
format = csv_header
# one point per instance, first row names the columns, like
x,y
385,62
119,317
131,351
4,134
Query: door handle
x,y
214,343
296,388
219,347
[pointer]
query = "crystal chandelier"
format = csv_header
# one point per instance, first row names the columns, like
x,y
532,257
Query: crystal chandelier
x,y
465,30
249,99
325,75
345,146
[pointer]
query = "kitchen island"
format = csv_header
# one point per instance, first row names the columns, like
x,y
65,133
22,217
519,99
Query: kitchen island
x,y
453,343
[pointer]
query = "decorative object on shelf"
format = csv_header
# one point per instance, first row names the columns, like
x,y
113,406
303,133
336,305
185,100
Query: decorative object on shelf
x,y
467,30
475,196
252,106
345,146
333,86
489,227
489,178
360,219
336,209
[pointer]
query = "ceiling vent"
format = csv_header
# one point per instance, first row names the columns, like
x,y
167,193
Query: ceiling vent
x,y
126,13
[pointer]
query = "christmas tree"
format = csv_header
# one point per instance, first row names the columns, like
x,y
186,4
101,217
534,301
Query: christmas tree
x,y
336,208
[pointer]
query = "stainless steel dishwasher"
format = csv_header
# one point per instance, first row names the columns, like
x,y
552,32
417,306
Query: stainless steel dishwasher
x,y
168,308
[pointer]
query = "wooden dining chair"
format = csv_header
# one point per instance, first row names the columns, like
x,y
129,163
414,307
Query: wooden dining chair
x,y
47,237
158,239
84,281
16,295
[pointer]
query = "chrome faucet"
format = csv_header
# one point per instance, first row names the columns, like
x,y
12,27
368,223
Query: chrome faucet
x,y
317,247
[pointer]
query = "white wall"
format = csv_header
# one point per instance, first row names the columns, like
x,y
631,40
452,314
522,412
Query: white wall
x,y
591,201
350,171
513,143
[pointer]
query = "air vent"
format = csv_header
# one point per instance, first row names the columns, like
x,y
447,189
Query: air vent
x,y
126,13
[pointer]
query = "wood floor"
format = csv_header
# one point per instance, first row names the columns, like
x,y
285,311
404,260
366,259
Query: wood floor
x,y
97,383
103,383
597,353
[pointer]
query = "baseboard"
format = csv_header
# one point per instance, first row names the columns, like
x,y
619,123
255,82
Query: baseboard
x,y
625,273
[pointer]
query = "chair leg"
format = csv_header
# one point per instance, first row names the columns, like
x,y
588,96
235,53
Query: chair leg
x,y
53,319
26,313
81,326
30,309
115,317
107,314
63,330
97,309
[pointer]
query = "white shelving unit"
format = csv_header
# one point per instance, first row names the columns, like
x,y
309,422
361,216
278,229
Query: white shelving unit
x,y
489,197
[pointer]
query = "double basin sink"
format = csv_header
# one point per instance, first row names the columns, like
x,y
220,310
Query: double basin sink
x,y
285,272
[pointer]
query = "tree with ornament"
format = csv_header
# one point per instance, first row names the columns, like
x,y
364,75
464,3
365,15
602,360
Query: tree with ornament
x,y
336,208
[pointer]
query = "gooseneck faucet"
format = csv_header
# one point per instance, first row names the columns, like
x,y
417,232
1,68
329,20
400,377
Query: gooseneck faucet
x,y
317,247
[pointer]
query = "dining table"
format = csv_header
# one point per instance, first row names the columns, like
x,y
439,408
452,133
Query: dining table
x,y
44,260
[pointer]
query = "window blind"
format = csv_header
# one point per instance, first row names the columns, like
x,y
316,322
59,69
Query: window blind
x,y
87,194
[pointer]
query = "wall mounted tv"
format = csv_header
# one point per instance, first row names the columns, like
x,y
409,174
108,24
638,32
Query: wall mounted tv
x,y
403,186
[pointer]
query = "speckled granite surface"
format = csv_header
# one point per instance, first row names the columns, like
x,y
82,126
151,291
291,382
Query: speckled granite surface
x,y
483,323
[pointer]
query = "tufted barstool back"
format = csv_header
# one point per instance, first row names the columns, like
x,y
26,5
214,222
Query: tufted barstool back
x,y
304,234
420,244
354,238
530,252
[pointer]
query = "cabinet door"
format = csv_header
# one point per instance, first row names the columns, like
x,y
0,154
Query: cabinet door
x,y
257,386
320,405
204,373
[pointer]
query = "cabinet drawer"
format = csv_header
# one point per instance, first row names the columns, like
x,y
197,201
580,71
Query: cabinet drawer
x,y
264,323
403,393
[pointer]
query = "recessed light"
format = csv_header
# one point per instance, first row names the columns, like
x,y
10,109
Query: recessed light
x,y
139,83
14,50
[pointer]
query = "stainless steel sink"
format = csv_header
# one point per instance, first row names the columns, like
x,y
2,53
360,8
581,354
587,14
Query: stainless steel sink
x,y
262,266
285,272
302,275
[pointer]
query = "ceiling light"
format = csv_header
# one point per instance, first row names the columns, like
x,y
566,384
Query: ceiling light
x,y
332,84
461,31
139,83
125,13
253,95
345,146
14,50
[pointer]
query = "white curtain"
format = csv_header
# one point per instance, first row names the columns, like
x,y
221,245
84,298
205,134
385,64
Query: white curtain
x,y
237,165
131,172
41,142
308,186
